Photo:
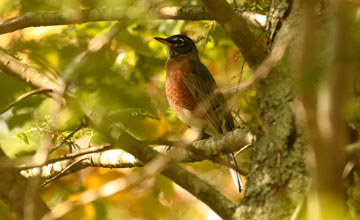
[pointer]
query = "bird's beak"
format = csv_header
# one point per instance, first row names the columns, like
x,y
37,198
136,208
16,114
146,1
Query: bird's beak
x,y
163,41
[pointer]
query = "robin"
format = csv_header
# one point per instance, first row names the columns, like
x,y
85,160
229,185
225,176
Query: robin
x,y
193,94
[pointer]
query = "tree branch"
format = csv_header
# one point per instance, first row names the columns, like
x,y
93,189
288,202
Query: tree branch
x,y
15,68
201,13
32,19
236,27
190,182
25,96
103,156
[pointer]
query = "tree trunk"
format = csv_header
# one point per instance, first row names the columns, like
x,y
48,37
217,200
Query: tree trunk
x,y
278,178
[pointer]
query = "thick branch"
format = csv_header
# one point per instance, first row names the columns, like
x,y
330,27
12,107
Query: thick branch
x,y
108,158
236,27
32,19
14,67
201,13
115,158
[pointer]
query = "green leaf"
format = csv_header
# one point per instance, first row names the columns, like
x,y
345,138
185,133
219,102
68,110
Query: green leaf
x,y
138,113
4,211
19,119
22,136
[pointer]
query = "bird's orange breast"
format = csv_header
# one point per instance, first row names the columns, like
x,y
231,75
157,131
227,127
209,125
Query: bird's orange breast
x,y
177,92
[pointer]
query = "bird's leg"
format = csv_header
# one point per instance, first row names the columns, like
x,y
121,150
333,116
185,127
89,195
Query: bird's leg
x,y
203,135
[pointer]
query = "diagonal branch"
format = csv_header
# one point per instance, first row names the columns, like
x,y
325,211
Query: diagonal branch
x,y
236,27
23,97
32,19
31,76
187,180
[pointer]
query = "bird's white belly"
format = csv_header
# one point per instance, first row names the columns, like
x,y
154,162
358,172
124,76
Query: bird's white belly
x,y
190,120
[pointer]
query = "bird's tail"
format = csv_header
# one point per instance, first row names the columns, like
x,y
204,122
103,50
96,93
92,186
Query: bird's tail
x,y
236,175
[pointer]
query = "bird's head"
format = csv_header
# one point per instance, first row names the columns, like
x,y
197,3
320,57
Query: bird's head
x,y
178,45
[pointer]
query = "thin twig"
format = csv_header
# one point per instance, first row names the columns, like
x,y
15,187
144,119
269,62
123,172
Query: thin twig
x,y
297,210
62,172
263,70
353,148
83,152
68,137
238,30
68,156
244,148
23,97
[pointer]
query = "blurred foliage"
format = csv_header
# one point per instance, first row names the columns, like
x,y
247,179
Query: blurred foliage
x,y
12,87
353,113
353,192
259,6
123,83
5,213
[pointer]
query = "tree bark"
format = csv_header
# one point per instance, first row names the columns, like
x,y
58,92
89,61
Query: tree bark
x,y
278,179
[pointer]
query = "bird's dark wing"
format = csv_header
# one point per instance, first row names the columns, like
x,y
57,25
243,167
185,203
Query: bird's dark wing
x,y
211,102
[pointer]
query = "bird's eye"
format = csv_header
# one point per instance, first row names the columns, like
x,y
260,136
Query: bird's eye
x,y
179,42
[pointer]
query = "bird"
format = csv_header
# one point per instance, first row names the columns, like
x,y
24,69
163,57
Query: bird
x,y
193,94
